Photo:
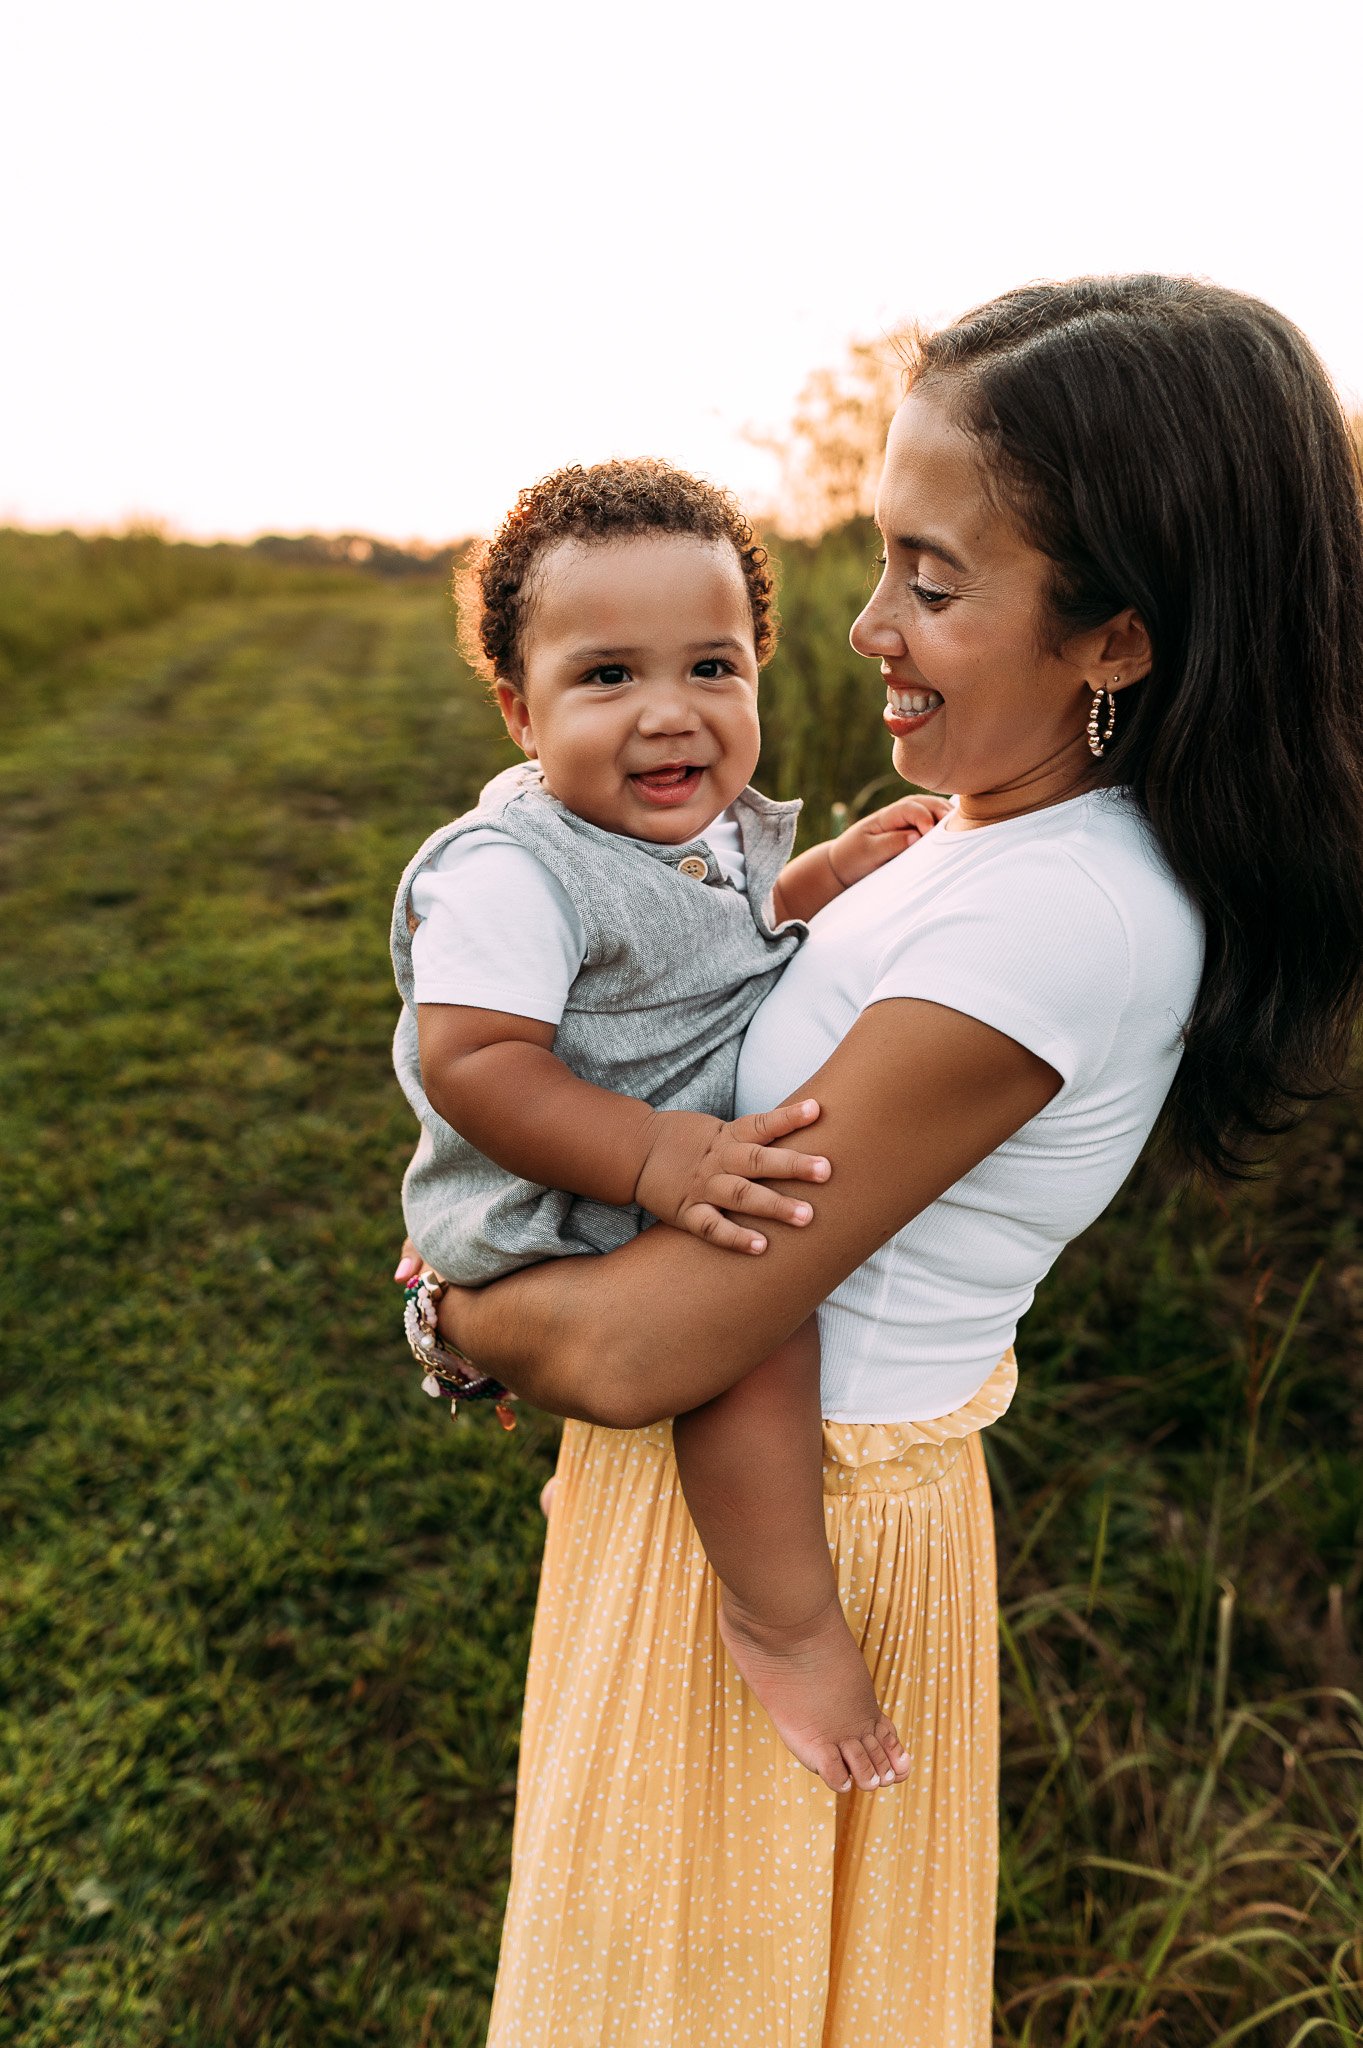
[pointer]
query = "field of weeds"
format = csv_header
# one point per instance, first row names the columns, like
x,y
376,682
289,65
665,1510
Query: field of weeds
x,y
264,1611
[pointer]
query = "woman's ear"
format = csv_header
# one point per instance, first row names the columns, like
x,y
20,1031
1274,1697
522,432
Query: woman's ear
x,y
1122,653
516,717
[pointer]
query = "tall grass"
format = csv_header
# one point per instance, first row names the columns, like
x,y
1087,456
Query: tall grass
x,y
1180,1508
59,590
264,1610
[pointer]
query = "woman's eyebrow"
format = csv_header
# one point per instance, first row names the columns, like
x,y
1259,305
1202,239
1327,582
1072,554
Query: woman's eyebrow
x,y
924,544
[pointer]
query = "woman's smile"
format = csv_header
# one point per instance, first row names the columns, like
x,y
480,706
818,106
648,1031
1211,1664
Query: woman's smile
x,y
908,707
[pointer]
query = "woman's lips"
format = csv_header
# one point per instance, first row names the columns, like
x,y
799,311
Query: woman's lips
x,y
908,710
668,787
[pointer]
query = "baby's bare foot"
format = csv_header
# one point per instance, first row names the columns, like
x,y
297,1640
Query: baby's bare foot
x,y
547,1496
813,1681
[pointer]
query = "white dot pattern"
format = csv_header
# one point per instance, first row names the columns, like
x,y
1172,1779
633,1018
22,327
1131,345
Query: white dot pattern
x,y
678,1880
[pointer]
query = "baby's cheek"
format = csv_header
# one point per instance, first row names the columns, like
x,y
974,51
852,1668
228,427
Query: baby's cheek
x,y
745,744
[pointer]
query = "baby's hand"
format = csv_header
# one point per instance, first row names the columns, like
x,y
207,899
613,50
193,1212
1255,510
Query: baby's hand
x,y
697,1166
881,834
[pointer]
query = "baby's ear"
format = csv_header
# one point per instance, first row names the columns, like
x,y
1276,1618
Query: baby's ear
x,y
516,717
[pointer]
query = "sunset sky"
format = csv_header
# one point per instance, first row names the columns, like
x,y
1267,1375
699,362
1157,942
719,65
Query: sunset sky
x,y
297,265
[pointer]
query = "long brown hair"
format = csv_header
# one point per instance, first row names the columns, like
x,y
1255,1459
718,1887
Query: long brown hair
x,y
1178,447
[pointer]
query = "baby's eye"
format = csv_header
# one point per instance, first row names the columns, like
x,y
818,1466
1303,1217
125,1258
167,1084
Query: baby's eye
x,y
712,668
610,672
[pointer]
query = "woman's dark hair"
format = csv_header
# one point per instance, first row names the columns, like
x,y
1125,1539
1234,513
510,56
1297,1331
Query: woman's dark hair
x,y
609,501
1178,448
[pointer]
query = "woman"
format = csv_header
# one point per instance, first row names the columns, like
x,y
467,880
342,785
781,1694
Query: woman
x,y
1121,615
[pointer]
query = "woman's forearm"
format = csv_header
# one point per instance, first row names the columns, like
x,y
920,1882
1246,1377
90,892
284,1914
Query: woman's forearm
x,y
595,1338
547,1333
668,1321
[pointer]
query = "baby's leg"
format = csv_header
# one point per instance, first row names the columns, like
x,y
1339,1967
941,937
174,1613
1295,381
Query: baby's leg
x,y
750,1464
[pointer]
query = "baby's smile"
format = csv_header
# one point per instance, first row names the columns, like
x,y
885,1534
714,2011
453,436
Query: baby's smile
x,y
669,786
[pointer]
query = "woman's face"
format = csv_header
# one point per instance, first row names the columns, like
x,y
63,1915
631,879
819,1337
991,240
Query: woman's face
x,y
977,701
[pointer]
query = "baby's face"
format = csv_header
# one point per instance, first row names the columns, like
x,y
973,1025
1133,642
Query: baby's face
x,y
640,682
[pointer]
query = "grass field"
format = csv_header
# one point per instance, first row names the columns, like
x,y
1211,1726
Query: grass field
x,y
264,1610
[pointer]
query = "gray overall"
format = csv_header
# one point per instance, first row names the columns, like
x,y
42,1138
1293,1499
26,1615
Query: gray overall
x,y
675,966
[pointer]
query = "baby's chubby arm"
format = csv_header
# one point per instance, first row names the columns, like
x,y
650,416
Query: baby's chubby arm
x,y
816,876
494,1078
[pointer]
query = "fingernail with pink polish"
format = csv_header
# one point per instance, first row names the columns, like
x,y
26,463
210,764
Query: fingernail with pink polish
x,y
406,1268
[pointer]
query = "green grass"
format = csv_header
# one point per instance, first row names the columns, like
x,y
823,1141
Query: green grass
x,y
264,1610
59,590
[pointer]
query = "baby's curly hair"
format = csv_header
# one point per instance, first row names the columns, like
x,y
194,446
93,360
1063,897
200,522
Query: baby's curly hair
x,y
608,501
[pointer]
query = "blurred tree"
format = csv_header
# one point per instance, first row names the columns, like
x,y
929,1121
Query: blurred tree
x,y
830,453
823,737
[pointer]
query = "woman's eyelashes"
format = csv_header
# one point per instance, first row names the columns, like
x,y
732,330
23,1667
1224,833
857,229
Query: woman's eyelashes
x,y
929,594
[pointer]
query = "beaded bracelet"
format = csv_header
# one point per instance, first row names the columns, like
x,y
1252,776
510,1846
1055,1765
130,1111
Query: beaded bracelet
x,y
450,1376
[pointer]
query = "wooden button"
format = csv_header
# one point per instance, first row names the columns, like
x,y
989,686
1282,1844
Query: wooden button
x,y
693,867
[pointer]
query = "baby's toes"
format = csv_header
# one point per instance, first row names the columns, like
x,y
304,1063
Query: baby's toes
x,y
880,1758
858,1760
825,1760
896,1754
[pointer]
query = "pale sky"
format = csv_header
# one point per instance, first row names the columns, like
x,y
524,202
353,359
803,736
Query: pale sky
x,y
330,266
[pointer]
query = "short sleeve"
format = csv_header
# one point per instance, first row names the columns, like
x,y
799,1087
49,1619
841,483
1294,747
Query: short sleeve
x,y
497,931
1035,947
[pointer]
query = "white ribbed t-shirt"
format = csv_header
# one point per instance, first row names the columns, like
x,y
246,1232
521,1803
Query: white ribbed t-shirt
x,y
1064,929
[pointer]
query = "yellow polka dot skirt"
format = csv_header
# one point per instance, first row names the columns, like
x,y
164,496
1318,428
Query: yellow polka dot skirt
x,y
678,1880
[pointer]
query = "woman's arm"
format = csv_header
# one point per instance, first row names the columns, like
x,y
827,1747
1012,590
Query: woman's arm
x,y
495,1079
914,1097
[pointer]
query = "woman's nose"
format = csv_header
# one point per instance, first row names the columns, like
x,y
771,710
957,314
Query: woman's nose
x,y
874,635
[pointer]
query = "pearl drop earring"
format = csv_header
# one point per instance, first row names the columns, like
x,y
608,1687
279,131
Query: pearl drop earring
x,y
1096,745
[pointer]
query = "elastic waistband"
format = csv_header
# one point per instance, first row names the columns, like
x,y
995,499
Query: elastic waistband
x,y
894,1457
886,1457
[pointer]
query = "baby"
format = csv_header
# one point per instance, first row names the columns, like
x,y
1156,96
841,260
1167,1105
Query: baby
x,y
579,958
